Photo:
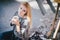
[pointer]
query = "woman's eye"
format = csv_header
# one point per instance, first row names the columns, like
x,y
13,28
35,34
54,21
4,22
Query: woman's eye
x,y
20,8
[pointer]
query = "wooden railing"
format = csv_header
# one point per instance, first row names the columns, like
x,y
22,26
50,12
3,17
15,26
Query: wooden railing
x,y
56,30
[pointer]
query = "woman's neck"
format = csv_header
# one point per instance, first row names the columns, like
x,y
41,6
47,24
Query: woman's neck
x,y
22,16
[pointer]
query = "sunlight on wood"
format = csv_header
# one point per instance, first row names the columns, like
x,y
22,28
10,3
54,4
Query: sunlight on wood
x,y
56,31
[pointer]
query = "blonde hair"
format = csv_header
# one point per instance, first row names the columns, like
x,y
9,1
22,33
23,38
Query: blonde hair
x,y
26,4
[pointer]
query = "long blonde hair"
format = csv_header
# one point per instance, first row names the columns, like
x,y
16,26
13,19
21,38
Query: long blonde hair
x,y
26,4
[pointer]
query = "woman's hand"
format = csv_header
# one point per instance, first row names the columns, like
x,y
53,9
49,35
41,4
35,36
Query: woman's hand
x,y
15,20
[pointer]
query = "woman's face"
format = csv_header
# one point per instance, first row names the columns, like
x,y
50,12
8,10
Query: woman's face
x,y
23,10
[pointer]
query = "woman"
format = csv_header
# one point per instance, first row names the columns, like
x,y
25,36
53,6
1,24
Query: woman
x,y
22,21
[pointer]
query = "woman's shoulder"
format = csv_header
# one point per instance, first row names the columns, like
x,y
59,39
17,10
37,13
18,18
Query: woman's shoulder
x,y
28,19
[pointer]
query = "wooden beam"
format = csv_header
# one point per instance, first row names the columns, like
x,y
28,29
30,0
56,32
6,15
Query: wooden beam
x,y
56,31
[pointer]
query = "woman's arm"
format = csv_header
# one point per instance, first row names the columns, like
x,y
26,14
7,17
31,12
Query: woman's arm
x,y
16,22
17,25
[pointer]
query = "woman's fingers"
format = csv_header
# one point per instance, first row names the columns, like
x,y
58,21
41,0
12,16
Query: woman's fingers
x,y
15,20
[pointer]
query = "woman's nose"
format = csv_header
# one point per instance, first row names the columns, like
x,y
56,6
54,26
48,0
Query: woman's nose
x,y
21,11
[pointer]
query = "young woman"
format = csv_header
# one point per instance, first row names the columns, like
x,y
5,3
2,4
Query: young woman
x,y
22,21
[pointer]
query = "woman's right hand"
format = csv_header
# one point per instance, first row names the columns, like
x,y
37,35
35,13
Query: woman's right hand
x,y
14,20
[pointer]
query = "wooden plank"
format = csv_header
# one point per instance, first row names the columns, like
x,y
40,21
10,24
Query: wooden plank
x,y
56,31
57,1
